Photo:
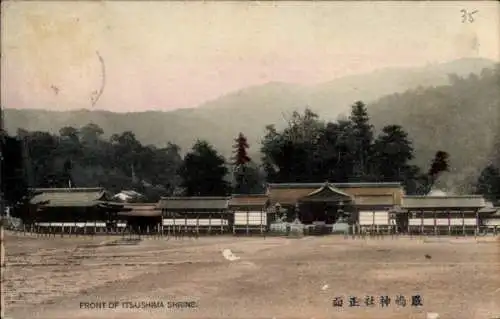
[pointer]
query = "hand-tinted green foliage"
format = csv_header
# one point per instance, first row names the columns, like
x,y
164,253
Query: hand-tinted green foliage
x,y
247,176
82,158
14,183
203,172
345,151
462,118
488,184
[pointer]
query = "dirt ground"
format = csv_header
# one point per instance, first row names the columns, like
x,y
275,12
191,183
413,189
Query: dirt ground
x,y
274,277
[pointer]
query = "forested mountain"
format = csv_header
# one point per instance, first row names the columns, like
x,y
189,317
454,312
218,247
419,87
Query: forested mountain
x,y
460,116
463,118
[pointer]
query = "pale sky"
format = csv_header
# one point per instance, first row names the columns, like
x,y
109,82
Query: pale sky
x,y
167,55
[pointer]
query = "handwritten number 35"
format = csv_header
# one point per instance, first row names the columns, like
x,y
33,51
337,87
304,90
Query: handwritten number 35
x,y
467,16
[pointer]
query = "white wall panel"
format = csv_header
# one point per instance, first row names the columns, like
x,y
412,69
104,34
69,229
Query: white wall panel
x,y
470,222
82,224
442,222
381,218
205,222
250,218
492,222
373,218
366,218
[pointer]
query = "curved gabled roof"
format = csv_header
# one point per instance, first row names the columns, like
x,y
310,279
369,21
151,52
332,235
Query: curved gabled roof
x,y
69,197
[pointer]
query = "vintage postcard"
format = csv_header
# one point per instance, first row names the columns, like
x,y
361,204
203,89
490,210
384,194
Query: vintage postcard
x,y
250,159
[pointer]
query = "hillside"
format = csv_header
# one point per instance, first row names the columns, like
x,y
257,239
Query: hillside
x,y
462,118
461,115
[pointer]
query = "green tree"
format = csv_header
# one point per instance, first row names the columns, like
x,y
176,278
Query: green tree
x,y
203,172
288,156
362,132
14,182
42,152
126,151
69,132
439,165
392,151
91,133
488,183
240,160
336,153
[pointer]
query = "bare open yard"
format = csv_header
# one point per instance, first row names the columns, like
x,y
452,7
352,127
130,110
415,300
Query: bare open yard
x,y
275,277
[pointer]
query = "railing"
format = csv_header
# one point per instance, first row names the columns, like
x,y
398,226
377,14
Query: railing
x,y
275,229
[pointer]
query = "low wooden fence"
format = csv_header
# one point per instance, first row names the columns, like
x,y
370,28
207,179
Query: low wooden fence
x,y
287,230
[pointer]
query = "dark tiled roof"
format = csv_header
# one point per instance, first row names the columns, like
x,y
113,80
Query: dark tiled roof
x,y
69,197
496,214
327,190
141,206
488,210
194,203
375,200
289,193
141,209
141,213
466,201
336,185
243,200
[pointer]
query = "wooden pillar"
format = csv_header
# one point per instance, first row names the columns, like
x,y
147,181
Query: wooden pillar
x,y
234,223
173,226
463,223
435,223
389,222
248,230
162,219
221,223
261,221
476,231
209,224
197,223
421,222
408,221
449,222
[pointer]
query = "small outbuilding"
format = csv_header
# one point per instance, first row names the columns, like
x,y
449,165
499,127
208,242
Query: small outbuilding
x,y
199,214
250,213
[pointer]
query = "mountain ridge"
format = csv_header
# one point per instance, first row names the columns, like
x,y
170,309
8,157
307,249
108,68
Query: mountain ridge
x,y
249,110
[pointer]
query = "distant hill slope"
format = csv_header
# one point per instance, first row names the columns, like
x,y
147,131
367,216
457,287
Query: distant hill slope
x,y
249,110
462,118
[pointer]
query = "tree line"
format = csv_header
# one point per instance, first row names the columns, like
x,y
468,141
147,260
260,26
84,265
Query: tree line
x,y
308,149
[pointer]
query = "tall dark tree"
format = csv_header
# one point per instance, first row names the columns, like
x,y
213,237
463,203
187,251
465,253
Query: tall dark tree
x,y
392,151
69,132
83,158
43,151
203,172
91,133
488,183
14,182
240,160
127,150
240,150
289,155
334,156
439,165
362,132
